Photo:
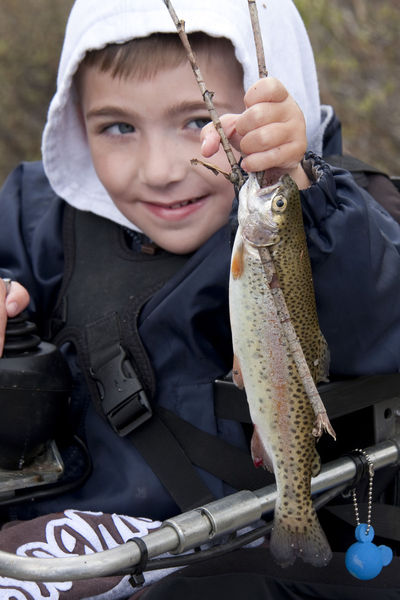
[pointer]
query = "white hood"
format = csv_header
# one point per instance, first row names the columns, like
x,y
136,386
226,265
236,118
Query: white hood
x,y
93,25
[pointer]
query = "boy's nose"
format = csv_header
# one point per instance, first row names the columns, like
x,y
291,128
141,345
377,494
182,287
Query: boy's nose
x,y
161,163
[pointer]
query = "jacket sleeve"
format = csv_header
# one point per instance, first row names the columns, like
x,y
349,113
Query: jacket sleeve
x,y
31,235
354,247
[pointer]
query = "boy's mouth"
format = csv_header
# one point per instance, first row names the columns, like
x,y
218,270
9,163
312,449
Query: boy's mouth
x,y
184,203
177,210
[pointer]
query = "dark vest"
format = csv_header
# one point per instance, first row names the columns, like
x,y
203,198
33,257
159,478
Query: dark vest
x,y
152,335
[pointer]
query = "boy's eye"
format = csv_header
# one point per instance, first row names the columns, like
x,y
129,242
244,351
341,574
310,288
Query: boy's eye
x,y
120,128
198,123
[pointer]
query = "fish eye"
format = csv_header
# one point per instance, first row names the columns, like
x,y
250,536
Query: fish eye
x,y
279,203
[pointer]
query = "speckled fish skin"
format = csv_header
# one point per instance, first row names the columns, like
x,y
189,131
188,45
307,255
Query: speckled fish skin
x,y
280,409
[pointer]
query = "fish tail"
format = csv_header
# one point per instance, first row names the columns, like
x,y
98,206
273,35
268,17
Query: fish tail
x,y
306,540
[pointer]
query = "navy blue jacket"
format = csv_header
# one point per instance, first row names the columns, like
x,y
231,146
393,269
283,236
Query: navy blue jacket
x,y
354,248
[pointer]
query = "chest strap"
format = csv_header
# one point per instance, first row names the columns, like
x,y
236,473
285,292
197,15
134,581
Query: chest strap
x,y
105,286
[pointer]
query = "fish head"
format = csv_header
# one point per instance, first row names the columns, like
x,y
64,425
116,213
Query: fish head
x,y
268,212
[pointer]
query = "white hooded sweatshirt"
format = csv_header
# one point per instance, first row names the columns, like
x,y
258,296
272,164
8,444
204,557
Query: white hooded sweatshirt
x,y
93,24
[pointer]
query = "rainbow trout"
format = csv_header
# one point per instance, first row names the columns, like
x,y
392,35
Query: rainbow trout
x,y
280,354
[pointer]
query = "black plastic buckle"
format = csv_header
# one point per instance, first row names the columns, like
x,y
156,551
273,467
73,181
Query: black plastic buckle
x,y
123,398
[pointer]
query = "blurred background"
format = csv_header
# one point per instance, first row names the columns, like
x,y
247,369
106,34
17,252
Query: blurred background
x,y
356,45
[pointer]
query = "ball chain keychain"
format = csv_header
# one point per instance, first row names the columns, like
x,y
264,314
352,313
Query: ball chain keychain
x,y
364,560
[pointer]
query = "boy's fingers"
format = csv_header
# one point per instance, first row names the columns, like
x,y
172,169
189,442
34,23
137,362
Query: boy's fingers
x,y
13,299
262,114
273,136
210,137
269,89
283,156
3,314
17,299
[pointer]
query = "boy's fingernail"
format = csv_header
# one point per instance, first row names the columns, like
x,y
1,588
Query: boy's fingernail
x,y
12,309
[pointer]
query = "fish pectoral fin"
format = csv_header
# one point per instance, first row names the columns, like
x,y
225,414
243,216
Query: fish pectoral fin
x,y
259,454
321,424
237,264
237,373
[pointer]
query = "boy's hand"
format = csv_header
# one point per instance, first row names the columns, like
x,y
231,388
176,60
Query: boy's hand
x,y
270,133
12,302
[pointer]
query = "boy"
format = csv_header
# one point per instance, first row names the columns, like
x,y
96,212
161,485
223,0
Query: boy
x,y
121,130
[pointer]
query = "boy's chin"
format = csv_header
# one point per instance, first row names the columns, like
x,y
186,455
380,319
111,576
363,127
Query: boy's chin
x,y
179,247
186,238
178,243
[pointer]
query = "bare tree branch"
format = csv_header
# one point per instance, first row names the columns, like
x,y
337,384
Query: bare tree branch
x,y
216,170
255,23
236,177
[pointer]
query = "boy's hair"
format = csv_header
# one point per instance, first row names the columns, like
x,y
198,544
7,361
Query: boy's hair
x,y
145,57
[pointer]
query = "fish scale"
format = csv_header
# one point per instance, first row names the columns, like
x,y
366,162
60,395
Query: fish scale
x,y
280,408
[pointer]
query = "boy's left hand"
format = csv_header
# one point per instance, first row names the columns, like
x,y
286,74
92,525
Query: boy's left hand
x,y
270,133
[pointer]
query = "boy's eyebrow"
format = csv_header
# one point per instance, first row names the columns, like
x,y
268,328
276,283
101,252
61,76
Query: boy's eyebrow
x,y
190,106
180,107
107,111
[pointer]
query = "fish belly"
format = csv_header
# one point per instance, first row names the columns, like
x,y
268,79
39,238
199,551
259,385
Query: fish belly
x,y
281,412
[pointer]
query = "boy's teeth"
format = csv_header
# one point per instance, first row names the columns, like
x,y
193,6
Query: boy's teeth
x,y
179,204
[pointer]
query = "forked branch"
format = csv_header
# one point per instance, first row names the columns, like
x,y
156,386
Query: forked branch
x,y
236,177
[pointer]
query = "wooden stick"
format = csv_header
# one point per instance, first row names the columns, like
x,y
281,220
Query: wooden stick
x,y
236,177
255,23
216,170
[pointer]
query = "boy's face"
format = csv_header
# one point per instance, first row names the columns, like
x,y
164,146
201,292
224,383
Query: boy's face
x,y
142,134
